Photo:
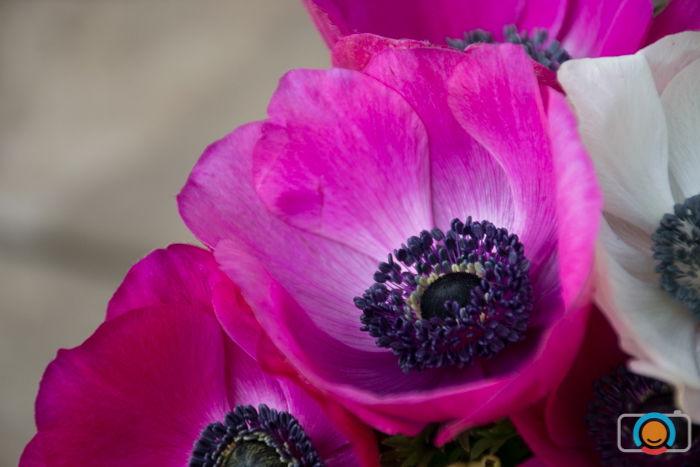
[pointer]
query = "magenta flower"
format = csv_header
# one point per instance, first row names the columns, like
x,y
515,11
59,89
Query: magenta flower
x,y
159,383
415,237
584,28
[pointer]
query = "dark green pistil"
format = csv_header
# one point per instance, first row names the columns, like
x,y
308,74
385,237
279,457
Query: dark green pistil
x,y
455,287
253,454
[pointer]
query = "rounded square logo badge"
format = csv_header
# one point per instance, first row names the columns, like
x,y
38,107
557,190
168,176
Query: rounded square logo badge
x,y
654,433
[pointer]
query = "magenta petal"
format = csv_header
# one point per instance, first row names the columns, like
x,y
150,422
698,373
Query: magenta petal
x,y
465,179
597,28
542,14
495,96
120,398
431,20
555,429
598,356
289,327
579,201
332,443
218,202
179,274
355,51
533,462
33,455
678,16
531,426
318,165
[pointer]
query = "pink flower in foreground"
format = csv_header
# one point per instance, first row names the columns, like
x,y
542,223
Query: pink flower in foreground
x,y
576,425
584,28
415,237
159,383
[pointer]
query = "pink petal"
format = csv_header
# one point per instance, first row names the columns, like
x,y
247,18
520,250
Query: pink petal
x,y
495,96
350,164
431,20
555,429
356,50
543,14
332,432
179,274
531,426
324,22
33,455
533,462
325,435
237,319
568,404
678,16
218,202
289,325
132,394
465,179
579,201
535,376
595,28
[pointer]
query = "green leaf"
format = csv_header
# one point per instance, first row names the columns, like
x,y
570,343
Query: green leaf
x,y
479,448
498,440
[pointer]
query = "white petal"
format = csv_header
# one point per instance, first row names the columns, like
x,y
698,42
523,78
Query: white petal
x,y
652,326
688,400
630,248
681,102
623,127
669,55
687,397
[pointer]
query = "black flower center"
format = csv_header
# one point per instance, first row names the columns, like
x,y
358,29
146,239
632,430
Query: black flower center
x,y
455,287
444,299
250,437
677,250
623,392
549,53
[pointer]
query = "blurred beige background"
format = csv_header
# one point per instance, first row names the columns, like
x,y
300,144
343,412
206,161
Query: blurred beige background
x,y
105,106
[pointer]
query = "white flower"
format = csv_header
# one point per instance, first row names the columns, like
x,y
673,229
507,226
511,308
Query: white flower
x,y
639,118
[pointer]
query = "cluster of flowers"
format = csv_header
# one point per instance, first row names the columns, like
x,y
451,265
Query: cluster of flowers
x,y
417,237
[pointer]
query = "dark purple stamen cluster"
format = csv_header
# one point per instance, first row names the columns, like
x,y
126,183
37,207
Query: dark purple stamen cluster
x,y
677,250
549,53
250,437
623,392
444,299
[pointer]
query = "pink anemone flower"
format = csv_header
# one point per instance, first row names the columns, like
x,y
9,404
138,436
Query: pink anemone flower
x,y
551,30
576,424
416,237
160,383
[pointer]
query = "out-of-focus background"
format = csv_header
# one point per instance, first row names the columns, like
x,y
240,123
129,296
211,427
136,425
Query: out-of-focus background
x,y
105,106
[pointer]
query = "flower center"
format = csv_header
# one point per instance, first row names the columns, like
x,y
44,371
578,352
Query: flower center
x,y
250,437
623,392
444,299
549,53
454,287
677,250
